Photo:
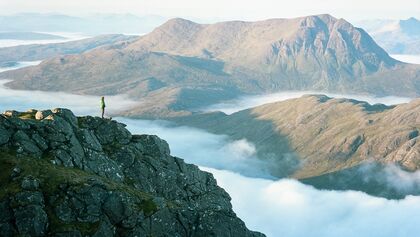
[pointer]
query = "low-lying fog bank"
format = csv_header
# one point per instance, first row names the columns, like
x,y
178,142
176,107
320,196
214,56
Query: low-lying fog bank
x,y
81,105
289,208
17,65
204,149
68,36
407,58
277,208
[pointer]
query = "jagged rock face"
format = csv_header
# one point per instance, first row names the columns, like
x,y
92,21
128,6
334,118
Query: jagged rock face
x,y
68,176
317,39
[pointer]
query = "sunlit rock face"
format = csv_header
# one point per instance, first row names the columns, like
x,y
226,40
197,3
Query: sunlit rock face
x,y
87,176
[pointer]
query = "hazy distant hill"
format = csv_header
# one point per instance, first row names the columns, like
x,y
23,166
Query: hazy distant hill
x,y
395,36
37,52
28,36
94,24
183,65
321,140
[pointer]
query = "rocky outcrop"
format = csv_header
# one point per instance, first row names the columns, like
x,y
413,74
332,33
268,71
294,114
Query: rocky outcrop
x,y
84,176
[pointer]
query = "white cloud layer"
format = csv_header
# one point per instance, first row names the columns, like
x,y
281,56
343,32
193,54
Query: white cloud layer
x,y
21,100
276,208
205,149
18,65
67,35
289,208
286,207
415,59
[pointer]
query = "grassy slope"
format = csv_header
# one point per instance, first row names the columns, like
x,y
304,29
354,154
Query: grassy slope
x,y
326,135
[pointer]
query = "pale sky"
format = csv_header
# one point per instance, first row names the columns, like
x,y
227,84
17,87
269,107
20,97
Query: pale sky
x,y
223,9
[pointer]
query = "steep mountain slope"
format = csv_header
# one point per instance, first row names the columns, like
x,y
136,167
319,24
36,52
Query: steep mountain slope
x,y
395,36
262,43
316,135
63,175
233,58
37,52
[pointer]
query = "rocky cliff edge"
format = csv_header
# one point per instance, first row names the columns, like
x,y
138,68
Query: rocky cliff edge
x,y
63,175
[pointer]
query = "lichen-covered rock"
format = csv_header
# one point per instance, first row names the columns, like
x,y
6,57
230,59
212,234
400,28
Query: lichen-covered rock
x,y
112,132
153,145
30,183
24,144
4,135
67,115
87,176
31,220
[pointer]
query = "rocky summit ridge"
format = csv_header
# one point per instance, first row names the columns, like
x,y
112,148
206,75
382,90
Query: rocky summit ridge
x,y
63,175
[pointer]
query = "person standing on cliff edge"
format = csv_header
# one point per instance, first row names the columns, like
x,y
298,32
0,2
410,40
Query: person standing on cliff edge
x,y
103,106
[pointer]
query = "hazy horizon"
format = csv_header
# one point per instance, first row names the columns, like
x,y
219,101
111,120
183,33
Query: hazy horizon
x,y
232,10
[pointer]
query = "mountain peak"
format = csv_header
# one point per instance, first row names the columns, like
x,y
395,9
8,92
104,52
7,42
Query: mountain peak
x,y
326,18
410,26
318,52
178,22
231,39
411,19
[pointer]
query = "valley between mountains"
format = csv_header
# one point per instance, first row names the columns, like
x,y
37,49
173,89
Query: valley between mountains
x,y
181,65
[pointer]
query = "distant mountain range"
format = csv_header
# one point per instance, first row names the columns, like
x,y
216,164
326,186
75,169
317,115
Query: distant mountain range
x,y
181,65
28,36
329,143
93,25
36,52
395,36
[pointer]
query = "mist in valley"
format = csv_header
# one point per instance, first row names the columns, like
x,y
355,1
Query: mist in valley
x,y
246,102
407,58
16,65
21,100
276,207
282,207
66,37
289,208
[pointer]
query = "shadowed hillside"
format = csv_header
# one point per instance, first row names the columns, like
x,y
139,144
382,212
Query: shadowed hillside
x,y
324,135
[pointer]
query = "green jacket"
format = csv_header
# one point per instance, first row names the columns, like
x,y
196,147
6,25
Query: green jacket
x,y
102,103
